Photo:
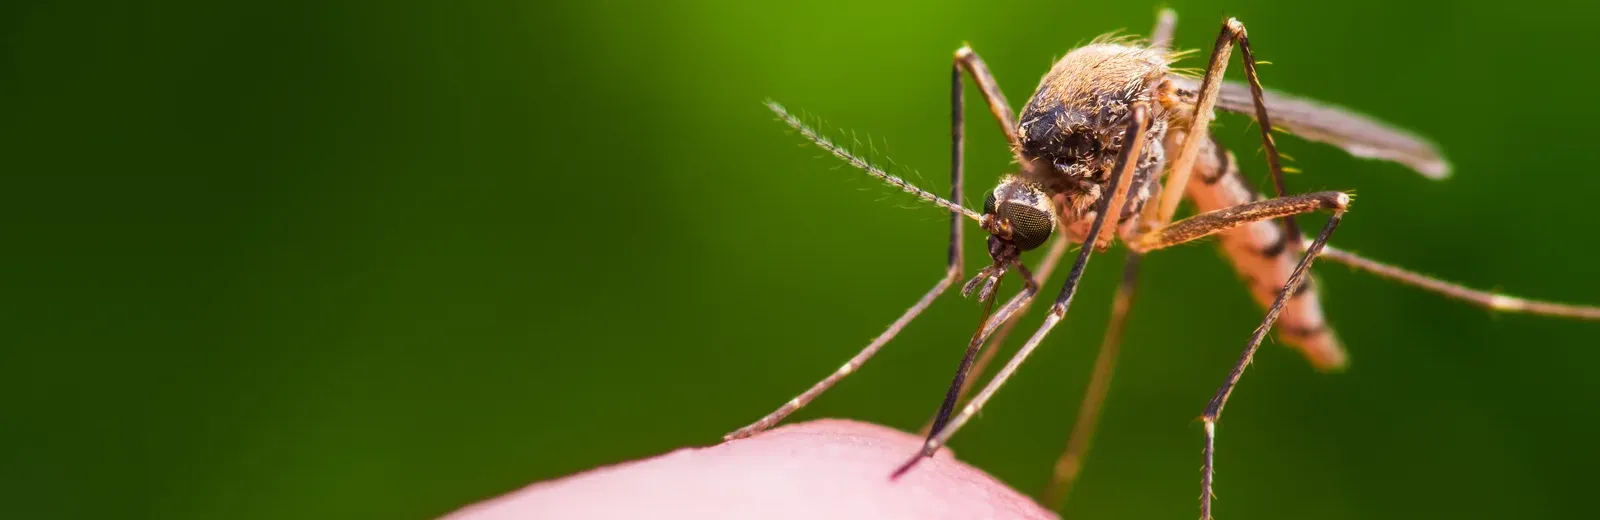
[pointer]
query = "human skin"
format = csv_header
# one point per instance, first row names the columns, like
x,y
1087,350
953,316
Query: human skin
x,y
820,469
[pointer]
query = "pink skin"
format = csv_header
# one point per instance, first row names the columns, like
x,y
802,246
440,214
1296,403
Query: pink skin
x,y
821,469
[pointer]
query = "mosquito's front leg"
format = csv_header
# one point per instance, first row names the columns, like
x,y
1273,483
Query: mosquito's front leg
x,y
967,60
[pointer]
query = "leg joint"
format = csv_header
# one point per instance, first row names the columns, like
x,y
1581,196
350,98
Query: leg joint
x,y
1236,27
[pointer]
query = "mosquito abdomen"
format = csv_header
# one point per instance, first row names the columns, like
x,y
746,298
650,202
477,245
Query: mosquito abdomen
x,y
1264,255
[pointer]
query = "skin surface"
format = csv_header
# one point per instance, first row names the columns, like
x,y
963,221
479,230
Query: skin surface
x,y
821,469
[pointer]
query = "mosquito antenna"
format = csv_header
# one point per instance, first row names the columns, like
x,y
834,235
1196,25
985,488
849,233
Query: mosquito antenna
x,y
857,161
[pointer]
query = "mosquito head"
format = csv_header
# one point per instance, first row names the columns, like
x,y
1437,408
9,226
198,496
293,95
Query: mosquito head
x,y
1018,216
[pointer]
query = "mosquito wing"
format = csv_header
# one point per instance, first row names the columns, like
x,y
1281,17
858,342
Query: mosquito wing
x,y
1358,134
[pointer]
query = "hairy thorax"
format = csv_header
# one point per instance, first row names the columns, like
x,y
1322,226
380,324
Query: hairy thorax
x,y
1072,128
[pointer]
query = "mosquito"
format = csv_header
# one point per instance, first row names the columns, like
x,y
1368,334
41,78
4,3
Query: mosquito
x,y
1093,142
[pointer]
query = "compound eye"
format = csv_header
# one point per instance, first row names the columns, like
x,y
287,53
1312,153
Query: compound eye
x,y
1030,227
988,203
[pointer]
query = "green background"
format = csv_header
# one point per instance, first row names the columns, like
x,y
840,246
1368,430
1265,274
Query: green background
x,y
351,259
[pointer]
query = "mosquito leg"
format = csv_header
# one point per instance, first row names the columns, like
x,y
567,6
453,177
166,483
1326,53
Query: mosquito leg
x,y
958,161
1274,161
953,273
1105,365
1214,408
1216,221
966,59
1121,174
1491,300
1198,130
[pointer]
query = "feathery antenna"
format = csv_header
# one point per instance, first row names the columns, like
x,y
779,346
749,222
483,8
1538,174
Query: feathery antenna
x,y
857,161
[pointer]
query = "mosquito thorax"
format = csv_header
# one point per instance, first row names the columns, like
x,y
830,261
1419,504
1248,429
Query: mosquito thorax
x,y
1071,131
1057,138
1083,102
1018,214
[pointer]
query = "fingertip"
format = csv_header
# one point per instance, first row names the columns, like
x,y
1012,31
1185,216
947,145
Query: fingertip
x,y
827,468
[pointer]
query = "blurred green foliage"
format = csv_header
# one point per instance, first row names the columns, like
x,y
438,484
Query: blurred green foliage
x,y
370,259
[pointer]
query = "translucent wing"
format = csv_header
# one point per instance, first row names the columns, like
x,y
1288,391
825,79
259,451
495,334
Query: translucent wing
x,y
1358,134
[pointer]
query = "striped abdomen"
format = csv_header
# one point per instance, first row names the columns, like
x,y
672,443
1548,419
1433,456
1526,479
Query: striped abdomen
x,y
1264,255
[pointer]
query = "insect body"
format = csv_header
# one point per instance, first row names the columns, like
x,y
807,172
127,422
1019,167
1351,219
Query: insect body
x,y
1070,133
1106,147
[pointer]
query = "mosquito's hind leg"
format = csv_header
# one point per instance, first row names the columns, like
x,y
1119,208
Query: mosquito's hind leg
x,y
1487,299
